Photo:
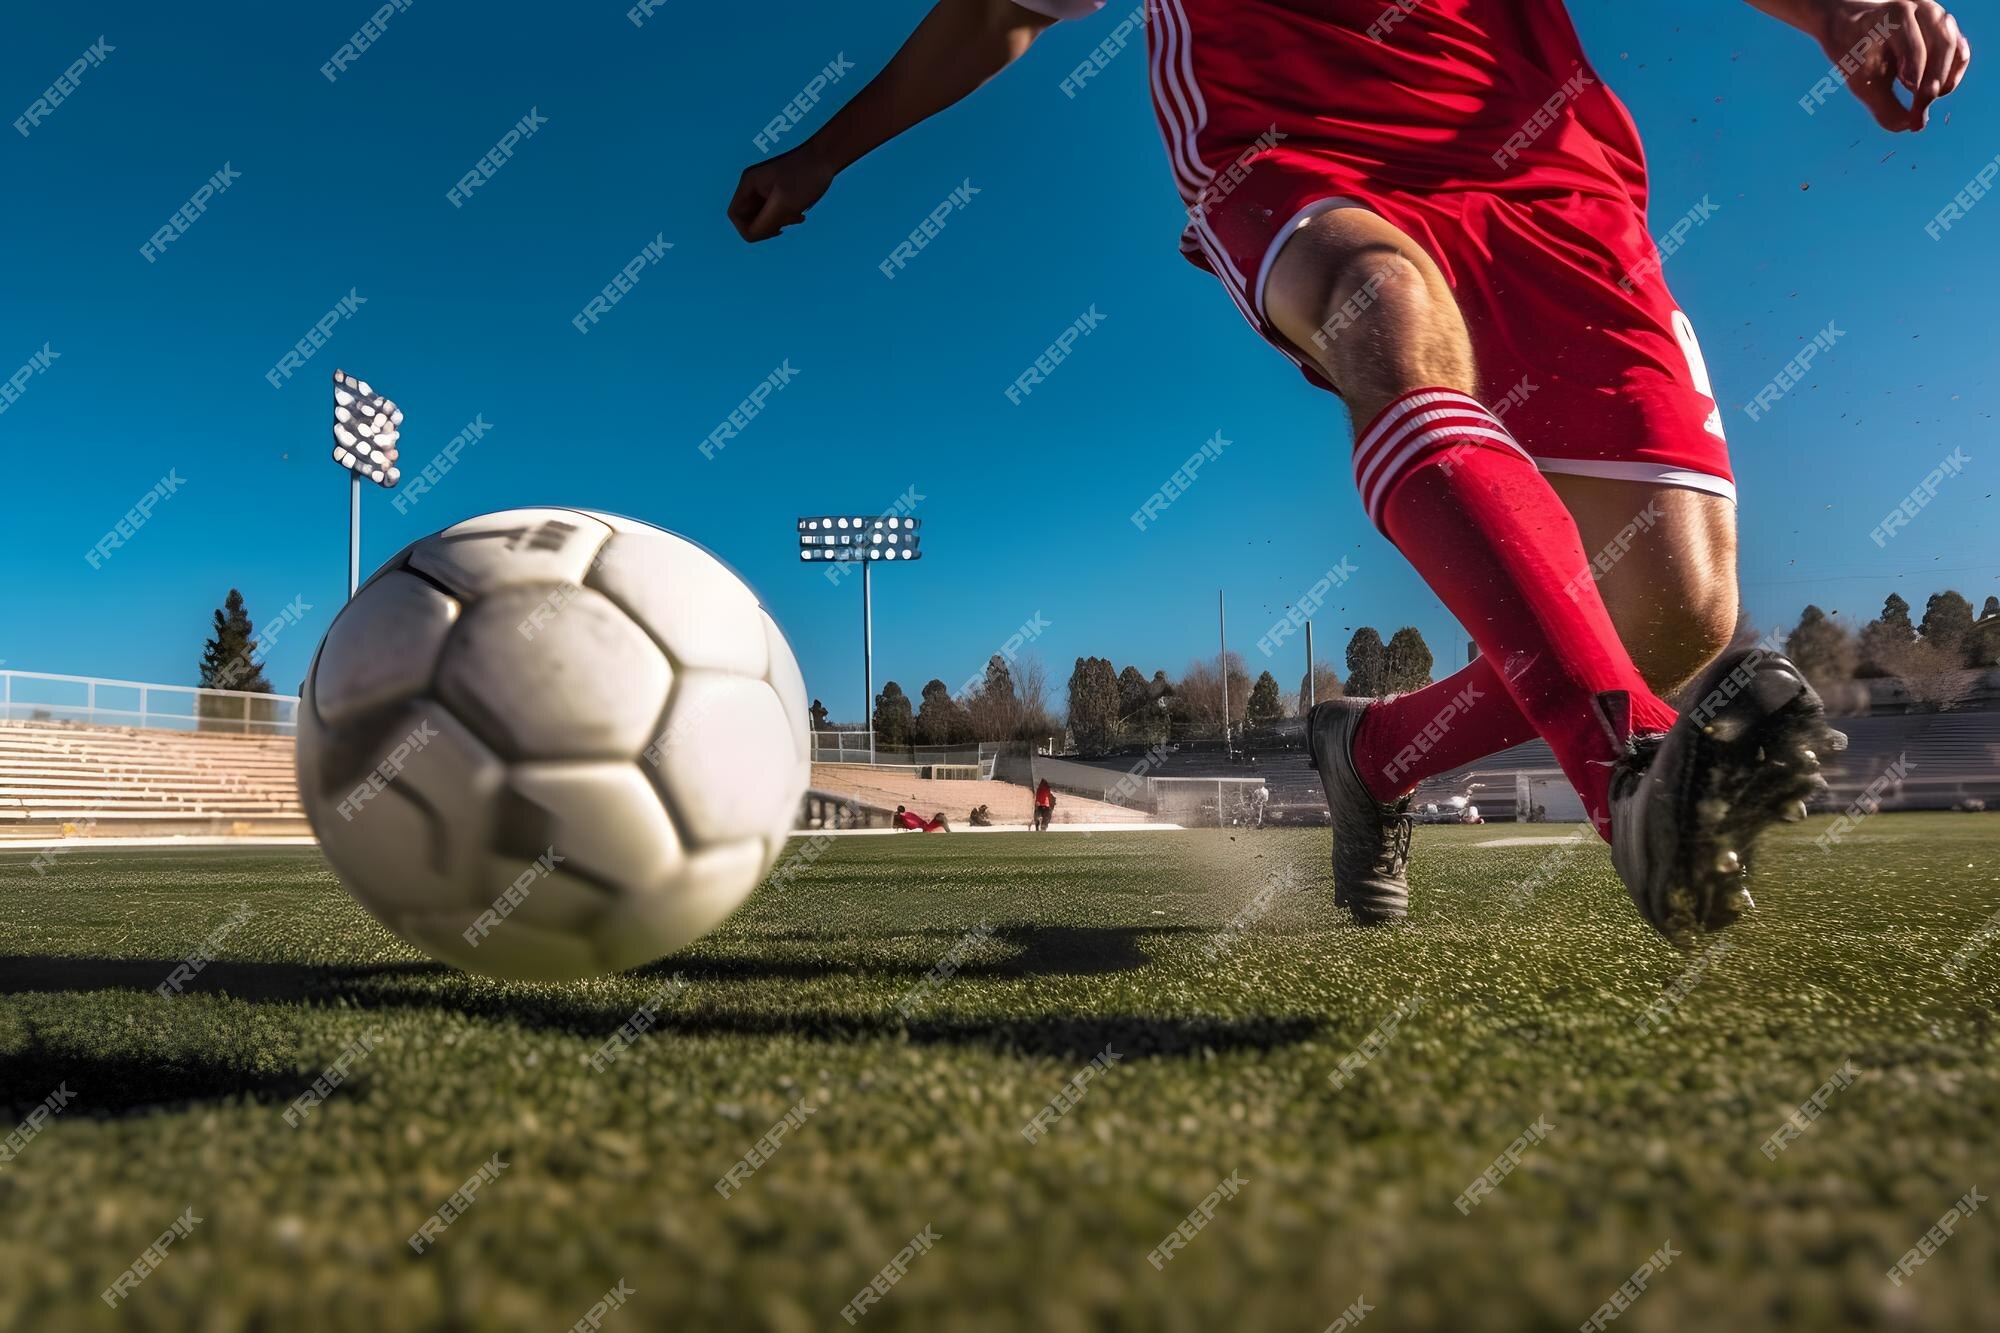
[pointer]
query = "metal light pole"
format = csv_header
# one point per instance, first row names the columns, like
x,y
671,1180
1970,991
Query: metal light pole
x,y
863,541
1222,622
867,660
353,534
366,426
1312,686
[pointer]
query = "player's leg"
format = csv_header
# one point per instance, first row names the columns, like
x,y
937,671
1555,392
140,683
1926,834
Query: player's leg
x,y
1463,502
1664,560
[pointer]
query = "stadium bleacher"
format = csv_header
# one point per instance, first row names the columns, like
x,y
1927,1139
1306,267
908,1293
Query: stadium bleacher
x,y
64,779
1010,803
1950,758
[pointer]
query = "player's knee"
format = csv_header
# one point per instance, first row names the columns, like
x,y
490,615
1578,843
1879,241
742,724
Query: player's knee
x,y
1383,329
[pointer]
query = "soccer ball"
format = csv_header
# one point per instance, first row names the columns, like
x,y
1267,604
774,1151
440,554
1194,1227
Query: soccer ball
x,y
545,744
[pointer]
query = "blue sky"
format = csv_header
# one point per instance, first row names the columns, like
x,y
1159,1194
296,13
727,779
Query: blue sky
x,y
897,384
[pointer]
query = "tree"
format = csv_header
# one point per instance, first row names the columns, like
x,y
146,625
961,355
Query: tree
x,y
1265,706
1093,705
1031,686
1947,628
893,723
1325,685
818,716
1198,698
994,712
1885,641
1134,694
1141,716
1823,650
1367,664
1896,615
1986,635
940,719
229,662
1406,661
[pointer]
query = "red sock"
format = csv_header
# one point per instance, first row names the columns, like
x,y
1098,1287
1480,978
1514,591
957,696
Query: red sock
x,y
1466,505
1406,738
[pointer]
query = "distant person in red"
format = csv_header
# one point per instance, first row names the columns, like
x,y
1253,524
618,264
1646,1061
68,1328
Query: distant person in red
x,y
917,824
1045,806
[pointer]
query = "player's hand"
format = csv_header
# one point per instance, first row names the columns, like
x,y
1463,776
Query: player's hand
x,y
1886,42
774,195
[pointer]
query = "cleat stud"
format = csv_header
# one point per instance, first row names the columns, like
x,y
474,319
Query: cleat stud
x,y
1740,901
1794,812
1728,863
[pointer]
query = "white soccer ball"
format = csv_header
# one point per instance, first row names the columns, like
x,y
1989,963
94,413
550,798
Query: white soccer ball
x,y
545,744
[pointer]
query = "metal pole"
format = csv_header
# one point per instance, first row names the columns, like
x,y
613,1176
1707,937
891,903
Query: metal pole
x,y
1311,684
867,659
1222,621
353,534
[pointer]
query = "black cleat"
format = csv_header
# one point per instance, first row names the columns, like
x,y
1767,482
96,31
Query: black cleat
x,y
1371,841
1687,807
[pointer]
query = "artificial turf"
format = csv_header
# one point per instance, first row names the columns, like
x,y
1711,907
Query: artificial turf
x,y
1216,1012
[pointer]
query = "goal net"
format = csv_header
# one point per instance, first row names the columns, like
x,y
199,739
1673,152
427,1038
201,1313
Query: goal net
x,y
1204,802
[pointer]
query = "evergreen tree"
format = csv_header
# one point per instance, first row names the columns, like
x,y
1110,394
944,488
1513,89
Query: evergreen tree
x,y
1093,705
1367,664
818,716
1947,628
894,725
1885,642
1265,706
1406,661
229,662
1823,649
1134,694
1986,635
994,712
1896,615
940,720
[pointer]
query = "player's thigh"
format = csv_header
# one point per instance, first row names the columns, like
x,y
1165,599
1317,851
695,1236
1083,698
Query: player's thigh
x,y
1665,560
1356,295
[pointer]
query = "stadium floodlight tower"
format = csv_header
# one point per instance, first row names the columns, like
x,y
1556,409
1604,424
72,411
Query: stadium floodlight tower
x,y
366,427
866,542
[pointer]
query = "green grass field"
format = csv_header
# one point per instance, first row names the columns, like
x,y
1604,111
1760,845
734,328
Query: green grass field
x,y
1216,1011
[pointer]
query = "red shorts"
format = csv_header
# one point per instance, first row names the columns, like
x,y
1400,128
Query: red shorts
x,y
1276,112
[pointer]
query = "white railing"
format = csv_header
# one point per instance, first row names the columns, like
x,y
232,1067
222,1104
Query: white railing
x,y
851,747
840,747
36,696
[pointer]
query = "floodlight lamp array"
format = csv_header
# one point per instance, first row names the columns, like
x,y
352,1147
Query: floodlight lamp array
x,y
886,537
366,427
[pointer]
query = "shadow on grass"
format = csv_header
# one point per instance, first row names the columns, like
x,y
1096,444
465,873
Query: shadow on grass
x,y
116,1085
1041,951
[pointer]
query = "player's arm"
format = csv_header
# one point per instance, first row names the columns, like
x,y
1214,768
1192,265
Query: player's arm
x,y
959,46
1881,43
